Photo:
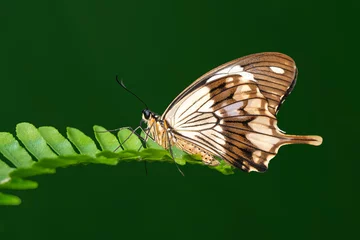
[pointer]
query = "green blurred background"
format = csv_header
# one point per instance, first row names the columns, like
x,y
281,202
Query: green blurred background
x,y
58,61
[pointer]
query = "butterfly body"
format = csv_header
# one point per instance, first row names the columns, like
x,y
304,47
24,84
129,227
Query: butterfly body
x,y
164,136
158,129
230,112
192,148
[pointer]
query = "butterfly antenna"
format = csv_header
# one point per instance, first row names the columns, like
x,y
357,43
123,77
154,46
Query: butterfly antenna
x,y
122,85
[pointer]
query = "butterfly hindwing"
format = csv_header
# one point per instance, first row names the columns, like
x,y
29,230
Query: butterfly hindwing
x,y
232,122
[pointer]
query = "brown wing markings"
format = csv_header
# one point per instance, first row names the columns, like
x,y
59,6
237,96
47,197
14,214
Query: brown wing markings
x,y
190,117
233,95
219,96
249,106
243,142
241,149
235,152
201,125
239,156
238,118
212,142
229,151
243,61
210,126
286,76
287,93
208,144
207,147
272,75
213,88
267,84
274,106
239,129
266,64
195,119
261,58
245,113
259,157
271,103
216,89
271,96
265,78
231,101
219,87
271,90
184,111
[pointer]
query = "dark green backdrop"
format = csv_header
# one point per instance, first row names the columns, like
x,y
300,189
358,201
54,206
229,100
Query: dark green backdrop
x,y
58,61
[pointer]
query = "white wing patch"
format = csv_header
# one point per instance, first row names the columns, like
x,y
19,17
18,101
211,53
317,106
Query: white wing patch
x,y
263,142
230,110
247,75
234,69
277,70
216,76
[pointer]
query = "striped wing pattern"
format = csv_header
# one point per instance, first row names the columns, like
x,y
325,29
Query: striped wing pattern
x,y
230,112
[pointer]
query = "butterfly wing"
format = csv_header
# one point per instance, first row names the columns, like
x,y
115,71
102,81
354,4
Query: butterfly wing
x,y
275,74
230,111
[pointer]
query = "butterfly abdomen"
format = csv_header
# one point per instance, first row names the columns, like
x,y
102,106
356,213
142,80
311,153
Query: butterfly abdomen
x,y
191,148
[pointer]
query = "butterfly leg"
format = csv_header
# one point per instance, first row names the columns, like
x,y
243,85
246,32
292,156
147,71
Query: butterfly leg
x,y
147,132
133,131
168,136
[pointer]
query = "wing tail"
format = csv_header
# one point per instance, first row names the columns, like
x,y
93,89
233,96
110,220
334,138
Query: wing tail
x,y
300,139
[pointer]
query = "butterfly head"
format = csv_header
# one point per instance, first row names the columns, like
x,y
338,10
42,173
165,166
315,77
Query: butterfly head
x,y
147,115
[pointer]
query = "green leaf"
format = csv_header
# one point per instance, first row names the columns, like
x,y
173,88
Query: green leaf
x,y
107,140
52,150
150,143
224,168
31,171
33,141
7,199
5,170
12,150
19,184
82,142
56,141
129,141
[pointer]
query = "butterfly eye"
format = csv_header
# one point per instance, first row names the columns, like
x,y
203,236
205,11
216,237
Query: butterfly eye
x,y
146,114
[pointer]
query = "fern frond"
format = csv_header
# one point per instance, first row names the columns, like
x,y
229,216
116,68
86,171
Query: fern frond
x,y
45,149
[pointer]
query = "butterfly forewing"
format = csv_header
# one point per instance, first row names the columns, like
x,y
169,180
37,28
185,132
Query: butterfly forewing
x,y
274,73
230,112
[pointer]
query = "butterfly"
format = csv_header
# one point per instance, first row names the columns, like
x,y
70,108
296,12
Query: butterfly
x,y
230,113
